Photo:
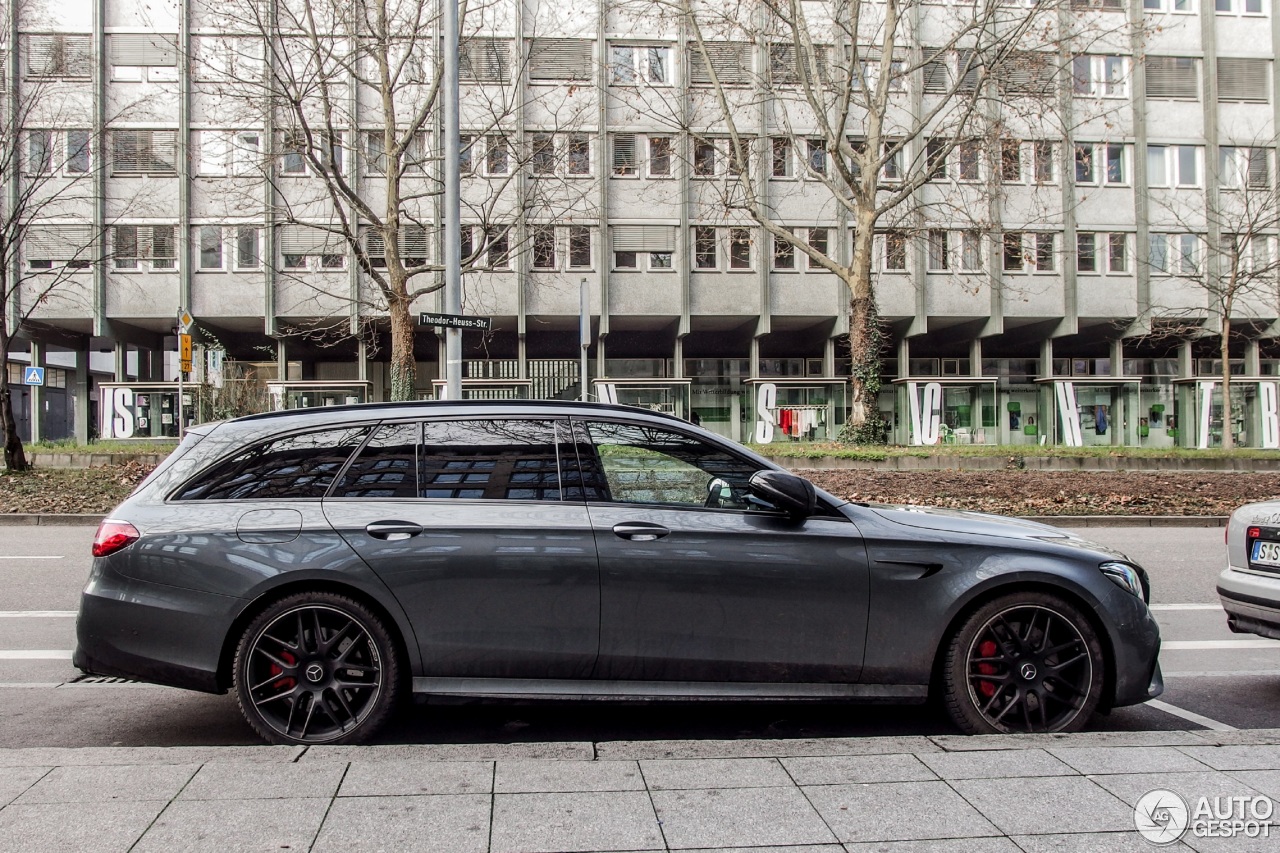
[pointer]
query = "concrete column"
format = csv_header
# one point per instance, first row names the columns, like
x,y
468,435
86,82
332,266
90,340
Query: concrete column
x,y
1047,406
37,393
80,401
122,361
1120,428
1188,422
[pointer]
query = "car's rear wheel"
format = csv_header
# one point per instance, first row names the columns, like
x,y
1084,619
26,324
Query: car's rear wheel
x,y
1024,662
316,667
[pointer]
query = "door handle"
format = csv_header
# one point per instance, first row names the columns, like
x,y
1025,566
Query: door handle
x,y
393,531
640,531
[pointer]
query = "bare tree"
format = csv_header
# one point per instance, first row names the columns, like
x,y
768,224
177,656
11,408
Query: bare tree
x,y
352,91
874,99
1219,263
50,159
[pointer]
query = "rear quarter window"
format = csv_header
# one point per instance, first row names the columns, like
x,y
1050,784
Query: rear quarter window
x,y
295,466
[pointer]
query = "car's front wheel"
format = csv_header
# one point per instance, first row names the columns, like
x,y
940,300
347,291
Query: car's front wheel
x,y
316,667
1024,662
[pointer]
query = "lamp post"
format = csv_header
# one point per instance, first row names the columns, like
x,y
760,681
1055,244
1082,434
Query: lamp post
x,y
452,210
584,334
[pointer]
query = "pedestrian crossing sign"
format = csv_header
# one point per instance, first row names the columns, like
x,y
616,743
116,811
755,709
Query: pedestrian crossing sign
x,y
33,376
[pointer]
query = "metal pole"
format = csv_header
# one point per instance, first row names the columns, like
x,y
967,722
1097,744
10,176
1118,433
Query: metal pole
x,y
452,209
182,420
584,335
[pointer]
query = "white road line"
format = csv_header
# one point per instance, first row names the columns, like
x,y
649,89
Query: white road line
x,y
1205,645
1184,606
1190,716
1218,673
37,614
35,654
32,557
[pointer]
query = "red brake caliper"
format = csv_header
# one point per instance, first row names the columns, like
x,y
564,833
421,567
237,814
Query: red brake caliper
x,y
987,649
284,683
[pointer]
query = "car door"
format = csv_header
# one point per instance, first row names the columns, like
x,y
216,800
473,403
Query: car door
x,y
696,585
467,523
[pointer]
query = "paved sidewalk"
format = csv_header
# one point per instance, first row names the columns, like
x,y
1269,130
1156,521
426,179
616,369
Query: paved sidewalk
x,y
951,793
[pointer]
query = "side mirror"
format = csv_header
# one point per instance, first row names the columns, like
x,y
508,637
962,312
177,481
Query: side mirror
x,y
789,493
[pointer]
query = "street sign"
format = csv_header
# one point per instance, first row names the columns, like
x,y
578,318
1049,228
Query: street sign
x,y
456,321
184,352
33,376
185,321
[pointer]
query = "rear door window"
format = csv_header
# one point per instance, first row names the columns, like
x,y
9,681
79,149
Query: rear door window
x,y
387,466
490,460
295,466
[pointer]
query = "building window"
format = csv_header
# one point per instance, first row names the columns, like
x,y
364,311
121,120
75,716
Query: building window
x,y
497,155
630,65
624,155
579,247
739,156
1239,7
1244,167
1045,160
1117,253
784,254
1086,252
1011,161
739,248
1174,254
1105,163
210,247
39,152
1046,257
578,155
968,161
660,260
705,252
465,164
626,260
781,161
895,251
659,156
248,251
145,152
60,55
819,239
892,170
78,152
542,160
499,253
1173,165
817,161
1181,6
1013,257
134,245
970,251
1172,77
293,158
935,155
704,159
1101,76
938,260
544,247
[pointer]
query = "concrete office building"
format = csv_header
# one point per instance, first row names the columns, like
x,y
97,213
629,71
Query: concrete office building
x,y
1172,110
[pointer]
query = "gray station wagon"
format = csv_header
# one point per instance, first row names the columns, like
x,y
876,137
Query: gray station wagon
x,y
324,563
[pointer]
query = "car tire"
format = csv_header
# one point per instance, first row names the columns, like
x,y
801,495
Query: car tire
x,y
317,667
1024,662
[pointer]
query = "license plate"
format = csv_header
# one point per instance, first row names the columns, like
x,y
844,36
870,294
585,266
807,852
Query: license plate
x,y
1266,553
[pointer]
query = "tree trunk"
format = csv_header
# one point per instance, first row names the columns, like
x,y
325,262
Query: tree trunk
x,y
404,369
1228,440
866,342
15,458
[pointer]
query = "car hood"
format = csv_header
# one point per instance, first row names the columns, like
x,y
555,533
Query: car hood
x,y
984,524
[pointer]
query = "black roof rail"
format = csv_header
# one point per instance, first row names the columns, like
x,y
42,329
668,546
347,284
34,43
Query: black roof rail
x,y
465,404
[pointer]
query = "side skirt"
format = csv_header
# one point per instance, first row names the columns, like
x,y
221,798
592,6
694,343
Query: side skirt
x,y
533,688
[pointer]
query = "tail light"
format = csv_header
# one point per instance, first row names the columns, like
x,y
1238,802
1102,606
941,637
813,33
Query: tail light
x,y
1253,533
112,536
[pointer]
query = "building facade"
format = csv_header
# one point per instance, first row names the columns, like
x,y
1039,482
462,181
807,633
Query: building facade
x,y
1053,281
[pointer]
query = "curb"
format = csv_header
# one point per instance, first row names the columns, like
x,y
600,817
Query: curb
x,y
1049,464
79,519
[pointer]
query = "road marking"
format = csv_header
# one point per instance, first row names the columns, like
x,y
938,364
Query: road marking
x,y
28,684
37,614
1236,673
1184,607
32,557
35,654
1191,716
1203,645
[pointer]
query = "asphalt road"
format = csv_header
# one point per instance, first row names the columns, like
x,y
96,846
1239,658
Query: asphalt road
x,y
1213,678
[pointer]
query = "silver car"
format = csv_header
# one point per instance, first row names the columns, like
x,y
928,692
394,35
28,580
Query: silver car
x,y
1250,585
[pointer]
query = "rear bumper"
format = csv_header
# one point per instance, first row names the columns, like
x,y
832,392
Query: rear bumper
x,y
1252,602
151,632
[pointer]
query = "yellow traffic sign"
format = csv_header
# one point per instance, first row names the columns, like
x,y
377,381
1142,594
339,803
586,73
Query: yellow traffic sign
x,y
184,352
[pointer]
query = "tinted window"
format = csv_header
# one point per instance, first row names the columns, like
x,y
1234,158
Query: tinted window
x,y
644,464
493,460
386,466
299,466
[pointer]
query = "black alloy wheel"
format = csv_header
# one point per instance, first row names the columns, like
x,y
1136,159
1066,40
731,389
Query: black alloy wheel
x,y
316,668
1027,662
